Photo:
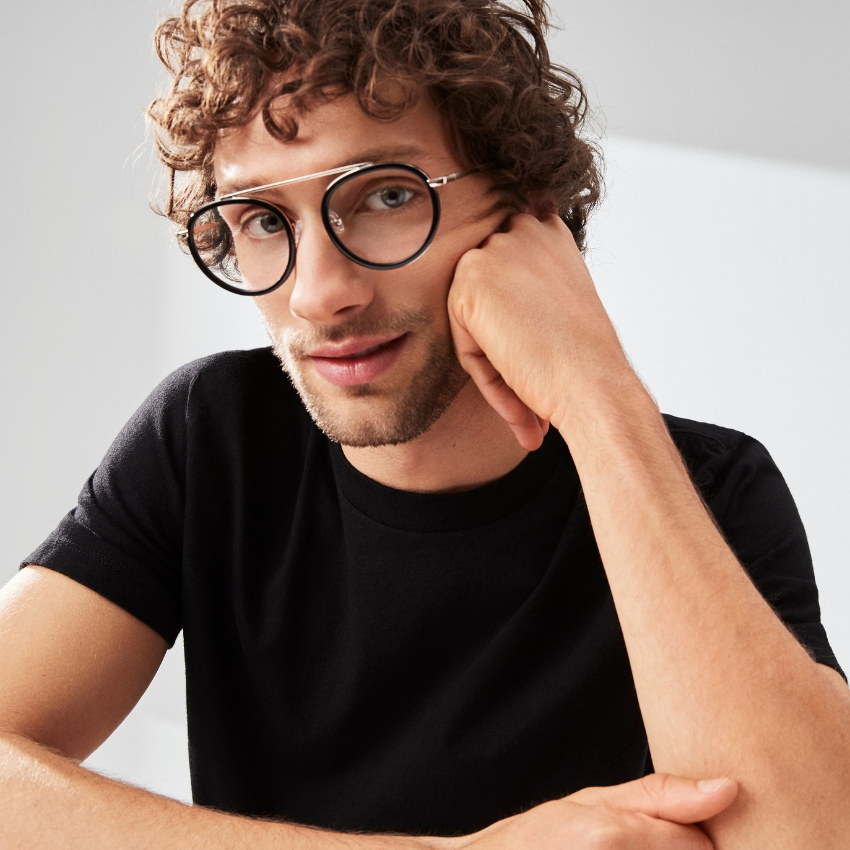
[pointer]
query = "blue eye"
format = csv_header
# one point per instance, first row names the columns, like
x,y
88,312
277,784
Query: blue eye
x,y
389,198
265,223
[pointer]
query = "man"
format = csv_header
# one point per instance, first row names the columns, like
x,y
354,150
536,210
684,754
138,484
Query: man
x,y
397,618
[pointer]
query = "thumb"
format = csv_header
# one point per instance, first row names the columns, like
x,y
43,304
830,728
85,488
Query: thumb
x,y
661,795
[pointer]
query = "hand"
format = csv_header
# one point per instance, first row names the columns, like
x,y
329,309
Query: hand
x,y
528,325
658,812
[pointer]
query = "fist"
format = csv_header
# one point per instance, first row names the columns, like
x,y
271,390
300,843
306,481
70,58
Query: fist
x,y
528,325
658,812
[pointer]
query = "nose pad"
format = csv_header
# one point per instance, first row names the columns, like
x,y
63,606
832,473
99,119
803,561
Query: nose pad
x,y
296,231
336,222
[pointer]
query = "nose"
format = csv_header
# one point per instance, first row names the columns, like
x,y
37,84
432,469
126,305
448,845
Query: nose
x,y
328,287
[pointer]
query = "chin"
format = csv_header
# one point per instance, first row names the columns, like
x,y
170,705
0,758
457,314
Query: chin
x,y
368,416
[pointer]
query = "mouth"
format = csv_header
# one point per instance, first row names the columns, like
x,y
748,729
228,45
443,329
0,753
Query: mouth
x,y
370,350
354,363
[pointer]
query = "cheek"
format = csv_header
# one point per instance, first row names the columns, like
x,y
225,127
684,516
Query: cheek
x,y
441,259
274,307
434,271
428,281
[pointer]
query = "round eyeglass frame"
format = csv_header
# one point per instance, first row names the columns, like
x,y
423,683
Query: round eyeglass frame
x,y
350,174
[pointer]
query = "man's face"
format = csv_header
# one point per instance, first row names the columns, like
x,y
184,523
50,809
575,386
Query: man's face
x,y
369,351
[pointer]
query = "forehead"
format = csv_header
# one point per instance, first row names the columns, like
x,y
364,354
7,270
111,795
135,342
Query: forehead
x,y
333,134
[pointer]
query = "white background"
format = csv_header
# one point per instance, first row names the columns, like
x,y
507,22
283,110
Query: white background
x,y
722,253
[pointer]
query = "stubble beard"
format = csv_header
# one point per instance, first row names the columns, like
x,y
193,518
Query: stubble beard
x,y
391,419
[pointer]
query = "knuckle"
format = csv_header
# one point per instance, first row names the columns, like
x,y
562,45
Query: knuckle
x,y
590,794
607,836
469,266
606,828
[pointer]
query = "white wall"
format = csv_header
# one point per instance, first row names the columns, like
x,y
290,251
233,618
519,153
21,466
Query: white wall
x,y
80,252
728,279
761,77
726,276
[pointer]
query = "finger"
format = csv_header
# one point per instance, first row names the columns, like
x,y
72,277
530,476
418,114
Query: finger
x,y
528,428
661,795
530,433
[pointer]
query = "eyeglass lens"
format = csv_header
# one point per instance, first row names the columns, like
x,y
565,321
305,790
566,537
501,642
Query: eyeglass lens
x,y
381,217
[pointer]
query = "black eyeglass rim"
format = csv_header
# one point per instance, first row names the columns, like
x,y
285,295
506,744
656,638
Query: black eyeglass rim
x,y
196,256
325,209
380,166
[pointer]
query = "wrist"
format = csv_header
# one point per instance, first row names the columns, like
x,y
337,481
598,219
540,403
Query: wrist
x,y
605,407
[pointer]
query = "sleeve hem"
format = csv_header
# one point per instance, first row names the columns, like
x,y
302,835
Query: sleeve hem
x,y
121,581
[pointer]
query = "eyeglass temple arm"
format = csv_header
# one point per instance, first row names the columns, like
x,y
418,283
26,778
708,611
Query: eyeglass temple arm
x,y
437,182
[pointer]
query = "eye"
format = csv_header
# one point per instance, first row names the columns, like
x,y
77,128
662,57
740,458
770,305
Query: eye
x,y
262,223
388,198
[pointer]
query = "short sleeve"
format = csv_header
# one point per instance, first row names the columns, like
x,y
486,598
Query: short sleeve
x,y
124,538
754,509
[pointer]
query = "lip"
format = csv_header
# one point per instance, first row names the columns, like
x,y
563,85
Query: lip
x,y
350,346
352,362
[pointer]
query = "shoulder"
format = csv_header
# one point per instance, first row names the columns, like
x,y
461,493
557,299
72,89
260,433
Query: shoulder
x,y
702,439
734,473
222,380
235,402
227,394
712,453
224,370
740,483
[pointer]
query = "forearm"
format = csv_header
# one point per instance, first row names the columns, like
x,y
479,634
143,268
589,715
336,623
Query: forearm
x,y
47,801
724,688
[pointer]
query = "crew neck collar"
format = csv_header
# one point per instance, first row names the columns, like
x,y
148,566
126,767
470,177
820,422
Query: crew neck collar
x,y
409,511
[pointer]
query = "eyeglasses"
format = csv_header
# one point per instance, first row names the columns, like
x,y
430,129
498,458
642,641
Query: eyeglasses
x,y
379,215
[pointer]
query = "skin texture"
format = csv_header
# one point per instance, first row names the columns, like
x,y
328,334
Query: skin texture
x,y
724,689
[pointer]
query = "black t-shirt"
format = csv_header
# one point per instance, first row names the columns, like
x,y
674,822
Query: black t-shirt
x,y
364,658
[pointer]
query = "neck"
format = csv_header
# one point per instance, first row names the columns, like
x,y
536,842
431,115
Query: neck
x,y
469,446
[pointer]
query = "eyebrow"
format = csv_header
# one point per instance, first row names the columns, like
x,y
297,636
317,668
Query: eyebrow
x,y
232,187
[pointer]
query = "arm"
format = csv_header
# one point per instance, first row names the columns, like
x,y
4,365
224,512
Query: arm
x,y
724,688
72,665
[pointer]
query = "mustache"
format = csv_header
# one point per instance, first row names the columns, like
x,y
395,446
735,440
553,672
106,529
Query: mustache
x,y
298,342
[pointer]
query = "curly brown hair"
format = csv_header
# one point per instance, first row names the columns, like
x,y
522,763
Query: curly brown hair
x,y
484,63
